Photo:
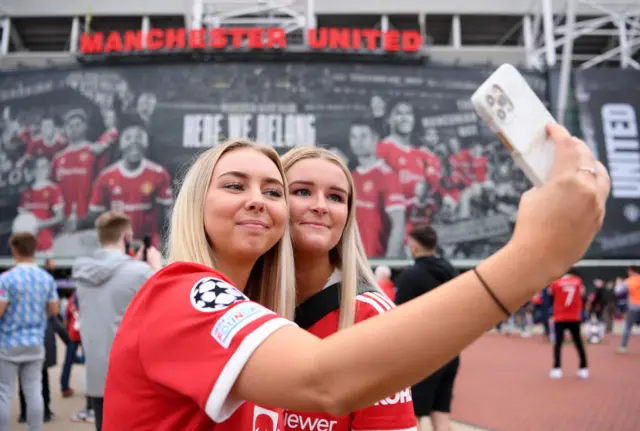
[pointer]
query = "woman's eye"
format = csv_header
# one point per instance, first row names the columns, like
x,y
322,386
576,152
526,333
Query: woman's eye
x,y
336,198
234,186
302,192
274,193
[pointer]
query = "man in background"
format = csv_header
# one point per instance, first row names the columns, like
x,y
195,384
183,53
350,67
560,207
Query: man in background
x,y
27,295
431,397
568,303
631,286
106,282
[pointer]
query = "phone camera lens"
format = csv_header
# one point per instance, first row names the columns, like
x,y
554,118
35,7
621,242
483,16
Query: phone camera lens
x,y
501,114
502,100
490,100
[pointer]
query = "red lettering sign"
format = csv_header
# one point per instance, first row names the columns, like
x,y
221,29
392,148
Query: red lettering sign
x,y
255,38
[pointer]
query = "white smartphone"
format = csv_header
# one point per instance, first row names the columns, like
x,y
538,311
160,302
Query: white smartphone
x,y
513,111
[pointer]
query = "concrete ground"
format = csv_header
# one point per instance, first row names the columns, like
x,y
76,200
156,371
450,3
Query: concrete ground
x,y
503,385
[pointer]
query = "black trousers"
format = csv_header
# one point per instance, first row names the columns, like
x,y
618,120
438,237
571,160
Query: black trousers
x,y
46,395
574,329
97,404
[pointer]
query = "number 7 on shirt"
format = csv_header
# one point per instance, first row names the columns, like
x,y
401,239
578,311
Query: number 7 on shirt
x,y
570,291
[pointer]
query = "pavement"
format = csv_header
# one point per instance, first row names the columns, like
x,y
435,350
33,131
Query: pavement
x,y
502,386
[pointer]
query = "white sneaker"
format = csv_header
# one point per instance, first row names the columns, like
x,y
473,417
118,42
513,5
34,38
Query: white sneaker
x,y
555,373
583,373
622,349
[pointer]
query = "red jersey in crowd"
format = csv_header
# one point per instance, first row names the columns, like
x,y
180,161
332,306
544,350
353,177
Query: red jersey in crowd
x,y
38,145
73,320
388,288
537,299
377,192
186,386
412,165
137,193
320,315
42,200
567,298
73,170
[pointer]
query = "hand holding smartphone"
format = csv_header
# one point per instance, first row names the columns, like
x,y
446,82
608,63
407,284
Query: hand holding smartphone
x,y
512,110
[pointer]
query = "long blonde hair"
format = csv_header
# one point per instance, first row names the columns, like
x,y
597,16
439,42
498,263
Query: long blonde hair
x,y
272,281
349,255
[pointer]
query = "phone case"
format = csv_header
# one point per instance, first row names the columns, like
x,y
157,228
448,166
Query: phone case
x,y
512,110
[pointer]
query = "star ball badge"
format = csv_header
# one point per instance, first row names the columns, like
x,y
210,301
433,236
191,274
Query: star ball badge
x,y
212,294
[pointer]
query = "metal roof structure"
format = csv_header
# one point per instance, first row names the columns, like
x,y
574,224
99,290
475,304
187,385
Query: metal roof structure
x,y
522,32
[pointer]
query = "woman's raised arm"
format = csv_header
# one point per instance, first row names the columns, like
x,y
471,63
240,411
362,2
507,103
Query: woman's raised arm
x,y
375,358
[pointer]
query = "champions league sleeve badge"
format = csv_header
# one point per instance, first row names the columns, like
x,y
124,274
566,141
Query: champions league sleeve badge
x,y
213,294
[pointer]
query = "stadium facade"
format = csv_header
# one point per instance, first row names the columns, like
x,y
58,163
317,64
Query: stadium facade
x,y
41,51
40,32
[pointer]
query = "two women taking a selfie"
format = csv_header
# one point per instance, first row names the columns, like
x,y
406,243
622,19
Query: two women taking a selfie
x,y
251,325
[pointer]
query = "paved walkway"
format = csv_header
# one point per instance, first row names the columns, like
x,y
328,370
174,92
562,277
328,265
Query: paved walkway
x,y
503,386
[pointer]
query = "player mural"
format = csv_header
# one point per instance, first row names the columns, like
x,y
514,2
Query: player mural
x,y
79,142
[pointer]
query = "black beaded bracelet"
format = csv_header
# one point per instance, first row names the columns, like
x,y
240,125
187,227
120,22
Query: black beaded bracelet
x,y
493,295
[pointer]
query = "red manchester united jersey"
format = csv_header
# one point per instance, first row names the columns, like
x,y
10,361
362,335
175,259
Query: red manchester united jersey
x,y
136,193
320,316
412,165
38,145
42,200
377,193
181,345
567,299
73,171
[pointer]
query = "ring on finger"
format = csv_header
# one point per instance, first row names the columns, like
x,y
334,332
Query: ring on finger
x,y
589,169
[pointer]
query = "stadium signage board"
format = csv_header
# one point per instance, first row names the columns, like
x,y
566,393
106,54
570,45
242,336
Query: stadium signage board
x,y
255,38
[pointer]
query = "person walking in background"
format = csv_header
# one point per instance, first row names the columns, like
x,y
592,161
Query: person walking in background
x,y
568,303
610,306
54,327
27,295
383,276
431,397
631,286
106,282
73,329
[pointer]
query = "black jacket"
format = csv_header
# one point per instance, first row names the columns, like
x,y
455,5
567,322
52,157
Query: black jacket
x,y
424,275
54,326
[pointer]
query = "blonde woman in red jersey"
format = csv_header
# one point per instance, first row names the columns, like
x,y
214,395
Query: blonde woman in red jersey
x,y
200,349
334,283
